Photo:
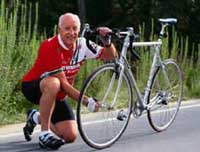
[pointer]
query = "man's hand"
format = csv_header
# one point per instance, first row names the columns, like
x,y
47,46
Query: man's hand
x,y
93,105
104,37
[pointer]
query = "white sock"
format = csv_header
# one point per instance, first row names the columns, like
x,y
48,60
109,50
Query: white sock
x,y
36,117
44,132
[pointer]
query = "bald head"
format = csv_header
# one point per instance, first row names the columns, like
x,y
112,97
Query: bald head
x,y
70,17
68,29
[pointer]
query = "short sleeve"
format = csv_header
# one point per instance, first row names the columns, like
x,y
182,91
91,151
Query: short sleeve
x,y
86,52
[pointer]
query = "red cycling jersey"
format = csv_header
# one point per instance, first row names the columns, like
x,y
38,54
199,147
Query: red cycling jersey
x,y
54,55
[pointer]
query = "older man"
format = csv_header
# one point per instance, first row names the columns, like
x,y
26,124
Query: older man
x,y
51,79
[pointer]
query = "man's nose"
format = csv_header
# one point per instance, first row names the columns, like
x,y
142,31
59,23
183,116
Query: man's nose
x,y
71,31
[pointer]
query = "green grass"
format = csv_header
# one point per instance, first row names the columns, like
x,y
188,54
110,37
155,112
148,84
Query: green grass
x,y
18,48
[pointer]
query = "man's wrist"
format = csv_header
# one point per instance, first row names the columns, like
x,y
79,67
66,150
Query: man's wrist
x,y
107,45
85,101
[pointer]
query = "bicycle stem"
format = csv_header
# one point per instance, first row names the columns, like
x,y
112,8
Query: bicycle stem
x,y
85,28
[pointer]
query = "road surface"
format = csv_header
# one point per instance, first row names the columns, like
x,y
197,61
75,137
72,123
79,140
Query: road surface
x,y
182,136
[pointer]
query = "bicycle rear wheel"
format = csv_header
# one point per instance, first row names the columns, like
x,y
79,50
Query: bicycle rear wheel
x,y
103,128
166,95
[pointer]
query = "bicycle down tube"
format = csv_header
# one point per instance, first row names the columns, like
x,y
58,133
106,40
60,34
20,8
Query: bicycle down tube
x,y
156,60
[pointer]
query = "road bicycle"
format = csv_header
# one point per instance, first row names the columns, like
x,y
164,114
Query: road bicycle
x,y
115,87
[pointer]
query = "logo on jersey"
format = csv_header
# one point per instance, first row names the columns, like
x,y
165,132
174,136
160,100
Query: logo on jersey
x,y
71,67
93,45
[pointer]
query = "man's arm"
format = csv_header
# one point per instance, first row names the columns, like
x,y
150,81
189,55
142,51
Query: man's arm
x,y
69,89
109,53
74,93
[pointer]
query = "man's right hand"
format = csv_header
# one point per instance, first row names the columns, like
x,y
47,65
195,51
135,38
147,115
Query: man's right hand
x,y
103,31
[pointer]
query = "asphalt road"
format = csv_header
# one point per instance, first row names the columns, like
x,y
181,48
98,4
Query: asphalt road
x,y
182,136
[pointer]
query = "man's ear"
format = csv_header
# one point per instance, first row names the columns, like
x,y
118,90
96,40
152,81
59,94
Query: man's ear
x,y
58,29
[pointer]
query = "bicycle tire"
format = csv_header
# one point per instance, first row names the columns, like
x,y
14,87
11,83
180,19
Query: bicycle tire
x,y
167,98
106,127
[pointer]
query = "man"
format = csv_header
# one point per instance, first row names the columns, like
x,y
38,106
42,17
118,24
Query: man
x,y
51,79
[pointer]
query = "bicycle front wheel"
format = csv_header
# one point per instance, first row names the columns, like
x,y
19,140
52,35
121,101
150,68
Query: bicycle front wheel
x,y
101,129
166,95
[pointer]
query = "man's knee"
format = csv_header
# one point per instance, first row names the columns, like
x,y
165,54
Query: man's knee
x,y
50,84
70,136
67,130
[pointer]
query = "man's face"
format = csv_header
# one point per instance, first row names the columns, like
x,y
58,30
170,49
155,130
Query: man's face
x,y
69,30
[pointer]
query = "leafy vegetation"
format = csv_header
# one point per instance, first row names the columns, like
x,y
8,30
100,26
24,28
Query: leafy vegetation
x,y
18,47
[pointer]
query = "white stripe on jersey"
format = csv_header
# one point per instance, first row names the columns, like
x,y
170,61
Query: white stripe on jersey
x,y
71,67
85,52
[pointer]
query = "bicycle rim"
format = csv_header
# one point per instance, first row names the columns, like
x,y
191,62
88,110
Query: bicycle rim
x,y
101,129
166,96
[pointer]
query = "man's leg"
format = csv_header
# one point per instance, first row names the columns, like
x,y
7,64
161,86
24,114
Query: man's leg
x,y
31,91
49,87
67,130
64,121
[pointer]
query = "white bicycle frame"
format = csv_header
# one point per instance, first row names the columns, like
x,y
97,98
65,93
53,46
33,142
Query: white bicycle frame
x,y
157,61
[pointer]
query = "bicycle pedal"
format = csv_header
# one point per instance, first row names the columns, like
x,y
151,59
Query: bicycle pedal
x,y
164,102
137,112
122,115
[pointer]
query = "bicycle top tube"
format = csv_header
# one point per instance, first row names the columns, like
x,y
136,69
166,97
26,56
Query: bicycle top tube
x,y
141,44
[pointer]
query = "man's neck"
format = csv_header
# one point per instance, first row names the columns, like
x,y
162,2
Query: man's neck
x,y
60,41
70,47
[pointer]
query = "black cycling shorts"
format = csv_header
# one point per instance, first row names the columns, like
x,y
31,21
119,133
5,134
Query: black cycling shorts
x,y
62,110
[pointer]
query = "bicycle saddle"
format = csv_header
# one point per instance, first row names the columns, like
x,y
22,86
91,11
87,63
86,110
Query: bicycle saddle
x,y
168,20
